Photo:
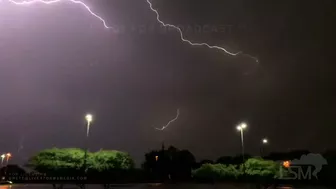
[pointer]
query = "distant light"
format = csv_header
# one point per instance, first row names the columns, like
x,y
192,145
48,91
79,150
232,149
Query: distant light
x,y
89,117
241,126
156,158
3,156
8,154
286,164
265,141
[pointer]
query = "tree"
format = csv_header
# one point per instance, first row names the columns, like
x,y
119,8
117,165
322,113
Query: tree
x,y
174,163
106,160
71,160
261,168
181,164
253,168
58,161
216,172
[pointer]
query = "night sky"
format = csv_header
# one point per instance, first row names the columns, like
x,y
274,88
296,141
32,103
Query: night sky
x,y
57,63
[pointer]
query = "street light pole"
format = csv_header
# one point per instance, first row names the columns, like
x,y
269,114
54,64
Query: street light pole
x,y
2,159
264,142
88,118
241,128
8,155
242,143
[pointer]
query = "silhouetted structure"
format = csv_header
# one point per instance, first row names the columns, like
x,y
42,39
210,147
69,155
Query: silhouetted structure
x,y
169,164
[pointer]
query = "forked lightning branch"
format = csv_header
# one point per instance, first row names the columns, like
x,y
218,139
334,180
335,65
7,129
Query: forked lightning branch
x,y
29,3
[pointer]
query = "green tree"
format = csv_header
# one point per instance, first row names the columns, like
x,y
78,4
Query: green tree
x,y
105,160
71,160
216,172
261,168
253,168
55,160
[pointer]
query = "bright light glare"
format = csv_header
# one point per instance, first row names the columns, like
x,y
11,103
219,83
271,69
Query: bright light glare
x,y
241,126
88,117
3,156
265,141
286,164
8,154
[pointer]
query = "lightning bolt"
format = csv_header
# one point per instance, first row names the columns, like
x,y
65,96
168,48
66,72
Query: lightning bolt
x,y
193,43
48,2
171,121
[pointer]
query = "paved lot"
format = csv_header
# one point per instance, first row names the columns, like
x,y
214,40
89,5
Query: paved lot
x,y
147,186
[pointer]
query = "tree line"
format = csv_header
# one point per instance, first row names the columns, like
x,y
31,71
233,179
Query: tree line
x,y
171,164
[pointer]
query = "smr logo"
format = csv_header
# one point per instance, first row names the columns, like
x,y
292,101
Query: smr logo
x,y
304,168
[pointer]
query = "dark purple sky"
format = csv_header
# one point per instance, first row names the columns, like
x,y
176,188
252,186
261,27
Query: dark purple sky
x,y
58,62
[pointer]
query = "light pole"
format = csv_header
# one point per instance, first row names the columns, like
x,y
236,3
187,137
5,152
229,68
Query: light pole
x,y
88,119
8,155
241,127
264,142
2,159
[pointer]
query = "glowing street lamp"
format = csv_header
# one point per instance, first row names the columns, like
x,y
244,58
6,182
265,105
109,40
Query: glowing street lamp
x,y
265,141
88,119
262,148
8,155
241,127
2,158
